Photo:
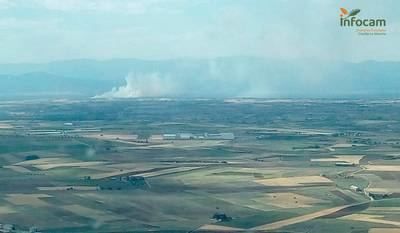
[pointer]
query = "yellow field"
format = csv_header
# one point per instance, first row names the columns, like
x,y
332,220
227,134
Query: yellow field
x,y
382,168
370,218
27,199
295,181
355,159
288,200
98,215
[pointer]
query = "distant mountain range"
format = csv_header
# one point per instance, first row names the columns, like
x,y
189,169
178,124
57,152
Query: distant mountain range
x,y
220,77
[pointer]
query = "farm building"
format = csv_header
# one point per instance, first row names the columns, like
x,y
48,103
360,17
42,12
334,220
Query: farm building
x,y
376,195
186,136
355,188
221,217
156,137
219,136
170,136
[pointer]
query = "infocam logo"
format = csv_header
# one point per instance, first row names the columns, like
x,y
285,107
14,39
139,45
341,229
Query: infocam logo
x,y
364,26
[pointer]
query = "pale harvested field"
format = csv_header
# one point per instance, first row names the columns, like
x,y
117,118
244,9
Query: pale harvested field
x,y
216,228
355,159
43,161
73,164
18,169
6,210
370,218
295,220
288,200
45,154
27,199
287,130
156,137
114,173
389,189
109,136
114,167
346,145
132,165
382,168
62,188
295,181
10,158
384,209
367,122
108,169
6,126
167,171
100,169
384,230
98,215
188,143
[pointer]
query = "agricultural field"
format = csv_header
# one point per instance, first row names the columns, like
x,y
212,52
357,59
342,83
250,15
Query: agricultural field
x,y
148,165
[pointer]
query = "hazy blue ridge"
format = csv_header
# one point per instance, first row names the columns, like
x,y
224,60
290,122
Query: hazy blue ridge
x,y
220,77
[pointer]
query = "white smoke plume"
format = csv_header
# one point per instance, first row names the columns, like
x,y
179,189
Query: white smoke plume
x,y
192,79
142,85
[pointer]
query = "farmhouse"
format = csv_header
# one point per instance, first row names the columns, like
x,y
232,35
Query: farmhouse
x,y
169,136
187,136
355,188
221,217
219,136
191,136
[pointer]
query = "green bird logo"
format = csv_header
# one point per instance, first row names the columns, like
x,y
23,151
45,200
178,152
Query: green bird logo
x,y
345,13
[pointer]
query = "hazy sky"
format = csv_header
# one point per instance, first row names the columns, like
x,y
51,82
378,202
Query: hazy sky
x,y
47,30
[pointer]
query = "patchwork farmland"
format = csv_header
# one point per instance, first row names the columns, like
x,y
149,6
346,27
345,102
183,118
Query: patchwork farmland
x,y
200,166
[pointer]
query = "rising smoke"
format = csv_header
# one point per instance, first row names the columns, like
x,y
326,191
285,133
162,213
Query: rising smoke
x,y
143,85
211,79
248,77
